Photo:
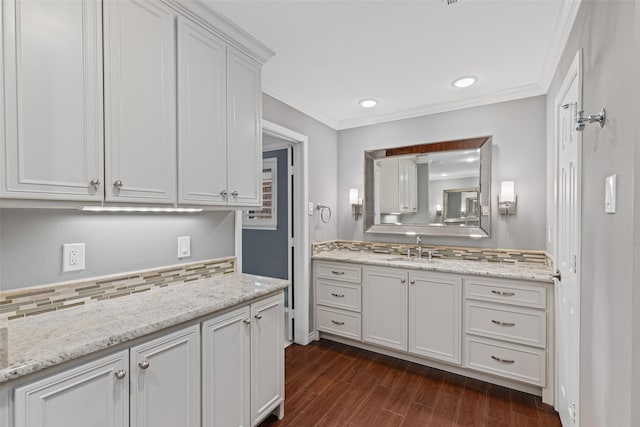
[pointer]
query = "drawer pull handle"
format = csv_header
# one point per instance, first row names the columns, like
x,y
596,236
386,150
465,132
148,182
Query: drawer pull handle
x,y
502,293
503,360
497,322
337,295
337,323
339,273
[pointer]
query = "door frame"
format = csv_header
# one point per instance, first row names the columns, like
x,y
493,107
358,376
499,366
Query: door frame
x,y
301,263
573,73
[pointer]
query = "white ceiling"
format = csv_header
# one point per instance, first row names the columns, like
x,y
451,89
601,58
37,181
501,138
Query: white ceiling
x,y
330,54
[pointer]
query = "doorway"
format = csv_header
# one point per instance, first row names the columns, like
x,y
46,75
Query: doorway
x,y
279,140
568,214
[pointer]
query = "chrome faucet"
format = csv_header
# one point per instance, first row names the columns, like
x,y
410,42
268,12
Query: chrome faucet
x,y
419,243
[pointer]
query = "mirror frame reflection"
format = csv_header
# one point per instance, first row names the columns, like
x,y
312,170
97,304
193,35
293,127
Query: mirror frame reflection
x,y
481,228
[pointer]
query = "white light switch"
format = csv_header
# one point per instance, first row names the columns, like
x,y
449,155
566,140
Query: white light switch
x,y
310,208
73,257
610,194
184,246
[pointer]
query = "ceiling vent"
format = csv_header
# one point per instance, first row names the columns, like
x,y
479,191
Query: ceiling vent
x,y
450,2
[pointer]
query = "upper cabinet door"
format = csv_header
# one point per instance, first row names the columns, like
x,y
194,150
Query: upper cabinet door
x,y
244,131
202,137
140,101
51,119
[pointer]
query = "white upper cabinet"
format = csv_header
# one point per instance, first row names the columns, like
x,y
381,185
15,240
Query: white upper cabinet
x,y
51,119
202,137
244,141
140,101
398,185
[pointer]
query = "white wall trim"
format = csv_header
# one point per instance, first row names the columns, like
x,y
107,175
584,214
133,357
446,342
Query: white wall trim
x,y
559,38
511,94
303,106
302,261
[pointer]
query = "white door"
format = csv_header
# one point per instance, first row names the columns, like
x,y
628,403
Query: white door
x,y
244,130
165,380
202,110
267,357
140,101
226,342
95,394
568,211
52,120
435,316
384,307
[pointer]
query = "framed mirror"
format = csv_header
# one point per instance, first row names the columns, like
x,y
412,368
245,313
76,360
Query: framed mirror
x,y
439,189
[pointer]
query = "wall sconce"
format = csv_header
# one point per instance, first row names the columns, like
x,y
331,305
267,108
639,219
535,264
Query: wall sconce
x,y
438,210
356,203
507,198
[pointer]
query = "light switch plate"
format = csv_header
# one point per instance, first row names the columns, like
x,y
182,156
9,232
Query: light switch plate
x,y
610,194
184,246
310,208
72,257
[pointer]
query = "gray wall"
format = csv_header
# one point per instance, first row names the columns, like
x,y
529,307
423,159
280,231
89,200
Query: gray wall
x,y
605,32
323,158
518,129
266,252
31,242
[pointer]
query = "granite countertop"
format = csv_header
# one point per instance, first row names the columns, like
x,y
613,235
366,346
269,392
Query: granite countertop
x,y
518,271
34,343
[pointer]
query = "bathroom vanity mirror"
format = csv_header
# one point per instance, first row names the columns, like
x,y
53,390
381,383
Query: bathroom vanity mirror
x,y
440,189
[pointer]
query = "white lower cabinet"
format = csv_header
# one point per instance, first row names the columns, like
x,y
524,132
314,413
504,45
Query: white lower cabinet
x,y
94,394
435,314
385,307
234,371
165,380
243,364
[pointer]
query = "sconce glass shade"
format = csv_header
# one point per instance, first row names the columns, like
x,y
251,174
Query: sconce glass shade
x,y
353,196
507,192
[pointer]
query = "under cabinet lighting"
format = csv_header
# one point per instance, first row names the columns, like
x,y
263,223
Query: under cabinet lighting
x,y
137,209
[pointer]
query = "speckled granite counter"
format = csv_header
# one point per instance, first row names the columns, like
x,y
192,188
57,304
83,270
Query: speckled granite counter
x,y
519,271
37,342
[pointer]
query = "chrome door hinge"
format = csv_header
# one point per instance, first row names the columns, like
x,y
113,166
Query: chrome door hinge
x,y
573,412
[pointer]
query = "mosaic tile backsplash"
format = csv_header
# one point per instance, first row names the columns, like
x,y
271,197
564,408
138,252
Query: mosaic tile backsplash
x,y
512,256
32,301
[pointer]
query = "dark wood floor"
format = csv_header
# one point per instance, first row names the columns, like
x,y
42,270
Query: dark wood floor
x,y
331,384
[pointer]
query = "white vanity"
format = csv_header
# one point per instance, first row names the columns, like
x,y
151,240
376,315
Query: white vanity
x,y
487,320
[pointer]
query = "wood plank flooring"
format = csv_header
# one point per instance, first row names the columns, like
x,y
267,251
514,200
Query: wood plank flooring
x,y
331,384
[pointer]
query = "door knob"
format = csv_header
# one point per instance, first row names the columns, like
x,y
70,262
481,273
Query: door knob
x,y
557,276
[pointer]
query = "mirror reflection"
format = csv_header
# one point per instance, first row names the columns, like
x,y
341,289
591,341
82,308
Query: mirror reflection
x,y
429,188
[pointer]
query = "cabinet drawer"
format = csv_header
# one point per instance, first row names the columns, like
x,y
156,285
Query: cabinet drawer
x,y
527,295
513,361
521,325
339,322
342,272
339,295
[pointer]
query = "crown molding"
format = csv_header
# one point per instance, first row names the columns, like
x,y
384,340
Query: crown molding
x,y
559,39
304,107
511,94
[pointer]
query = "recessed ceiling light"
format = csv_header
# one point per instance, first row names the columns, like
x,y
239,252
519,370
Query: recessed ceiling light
x,y
464,81
368,103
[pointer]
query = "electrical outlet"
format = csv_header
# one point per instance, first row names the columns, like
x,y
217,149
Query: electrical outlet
x,y
184,246
72,257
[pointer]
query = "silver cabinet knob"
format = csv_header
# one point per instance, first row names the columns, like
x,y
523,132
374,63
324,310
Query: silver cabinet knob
x,y
413,282
144,364
403,280
258,316
118,184
234,194
120,374
94,182
247,321
224,193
